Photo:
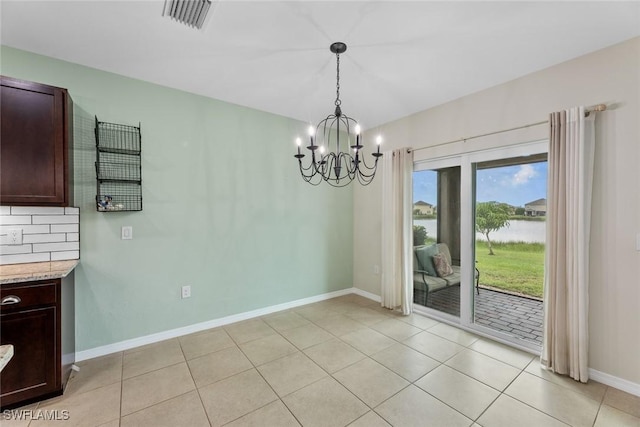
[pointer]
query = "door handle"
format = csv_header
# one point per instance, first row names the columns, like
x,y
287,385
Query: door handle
x,y
11,299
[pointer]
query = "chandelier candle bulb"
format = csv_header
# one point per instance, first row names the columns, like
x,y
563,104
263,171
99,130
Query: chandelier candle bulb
x,y
378,143
299,156
311,133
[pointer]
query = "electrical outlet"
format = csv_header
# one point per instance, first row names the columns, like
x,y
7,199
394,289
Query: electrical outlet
x,y
15,236
186,292
127,232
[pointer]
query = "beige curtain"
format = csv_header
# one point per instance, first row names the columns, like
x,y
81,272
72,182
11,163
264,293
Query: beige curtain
x,y
566,288
397,235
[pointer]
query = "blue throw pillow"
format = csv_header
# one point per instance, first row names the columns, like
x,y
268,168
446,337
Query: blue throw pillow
x,y
425,254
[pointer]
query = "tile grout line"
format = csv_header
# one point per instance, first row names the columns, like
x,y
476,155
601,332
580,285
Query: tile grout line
x,y
121,386
533,407
600,406
197,389
160,403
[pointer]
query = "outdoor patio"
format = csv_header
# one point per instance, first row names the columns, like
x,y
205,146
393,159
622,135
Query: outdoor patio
x,y
513,314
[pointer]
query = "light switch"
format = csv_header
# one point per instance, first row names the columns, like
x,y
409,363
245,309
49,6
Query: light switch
x,y
127,232
638,242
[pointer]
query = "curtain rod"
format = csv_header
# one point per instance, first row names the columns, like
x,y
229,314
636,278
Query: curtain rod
x,y
595,108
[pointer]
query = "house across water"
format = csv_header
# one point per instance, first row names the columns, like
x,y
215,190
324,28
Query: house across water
x,y
423,208
536,208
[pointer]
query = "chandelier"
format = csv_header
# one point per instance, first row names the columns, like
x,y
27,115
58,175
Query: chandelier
x,y
335,145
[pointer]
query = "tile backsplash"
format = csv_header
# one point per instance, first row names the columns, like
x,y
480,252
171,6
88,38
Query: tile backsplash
x,y
48,234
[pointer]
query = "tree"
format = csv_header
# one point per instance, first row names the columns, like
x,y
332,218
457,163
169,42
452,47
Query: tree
x,y
520,211
491,216
419,235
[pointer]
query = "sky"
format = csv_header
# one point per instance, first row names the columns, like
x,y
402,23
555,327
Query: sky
x,y
515,185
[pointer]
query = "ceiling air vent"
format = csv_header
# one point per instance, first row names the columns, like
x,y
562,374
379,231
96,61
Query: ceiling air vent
x,y
189,12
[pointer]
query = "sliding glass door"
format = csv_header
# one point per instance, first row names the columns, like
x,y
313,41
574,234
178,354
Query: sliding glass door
x,y
510,212
436,237
478,242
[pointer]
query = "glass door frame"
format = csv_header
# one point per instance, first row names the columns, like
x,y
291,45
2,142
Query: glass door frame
x,y
467,162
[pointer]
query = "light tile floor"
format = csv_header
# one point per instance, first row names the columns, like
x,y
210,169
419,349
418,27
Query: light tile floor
x,y
344,361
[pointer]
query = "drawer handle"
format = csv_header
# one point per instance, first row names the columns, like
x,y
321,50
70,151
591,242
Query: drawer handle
x,y
11,299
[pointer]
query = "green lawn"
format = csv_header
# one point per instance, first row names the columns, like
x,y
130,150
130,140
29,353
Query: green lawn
x,y
516,266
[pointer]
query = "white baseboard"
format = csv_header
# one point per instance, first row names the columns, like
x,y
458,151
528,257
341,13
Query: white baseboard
x,y
366,294
602,377
615,382
185,330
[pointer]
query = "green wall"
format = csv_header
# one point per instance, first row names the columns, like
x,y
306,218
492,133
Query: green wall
x,y
225,209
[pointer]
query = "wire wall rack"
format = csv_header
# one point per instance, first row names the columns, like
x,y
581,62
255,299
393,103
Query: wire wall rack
x,y
118,167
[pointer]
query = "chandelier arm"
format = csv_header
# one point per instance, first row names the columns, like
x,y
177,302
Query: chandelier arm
x,y
368,172
323,164
310,180
366,178
307,177
363,161
365,171
339,185
323,123
303,168
364,181
310,167
331,170
331,180
350,165
345,120
326,135
338,170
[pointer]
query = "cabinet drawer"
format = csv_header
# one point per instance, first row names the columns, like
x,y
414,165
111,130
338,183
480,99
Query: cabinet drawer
x,y
24,296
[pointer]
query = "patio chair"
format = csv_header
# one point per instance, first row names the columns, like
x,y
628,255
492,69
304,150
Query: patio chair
x,y
425,277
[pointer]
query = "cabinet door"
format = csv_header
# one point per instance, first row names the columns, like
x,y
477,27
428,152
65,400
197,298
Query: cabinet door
x,y
33,161
31,372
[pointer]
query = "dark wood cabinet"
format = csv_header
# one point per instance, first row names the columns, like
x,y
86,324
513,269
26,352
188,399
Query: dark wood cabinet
x,y
36,321
36,158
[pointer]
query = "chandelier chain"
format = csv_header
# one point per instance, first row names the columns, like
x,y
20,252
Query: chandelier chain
x,y
338,101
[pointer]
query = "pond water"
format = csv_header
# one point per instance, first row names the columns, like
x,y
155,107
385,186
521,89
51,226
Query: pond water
x,y
518,231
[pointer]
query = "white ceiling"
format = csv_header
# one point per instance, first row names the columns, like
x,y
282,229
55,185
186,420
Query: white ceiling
x,y
403,57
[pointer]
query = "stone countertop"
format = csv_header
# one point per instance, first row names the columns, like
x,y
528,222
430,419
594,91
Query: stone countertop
x,y
6,353
14,273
